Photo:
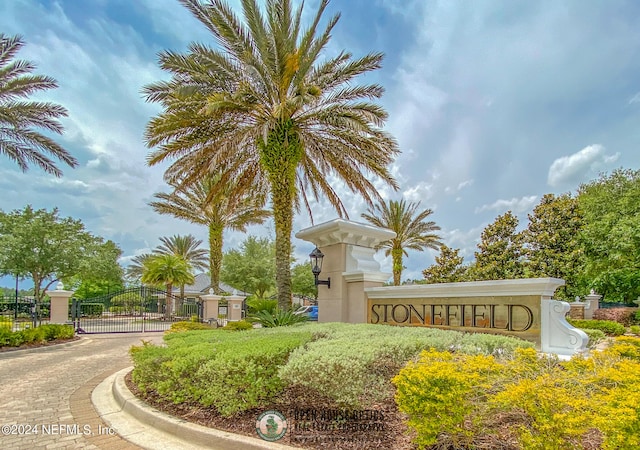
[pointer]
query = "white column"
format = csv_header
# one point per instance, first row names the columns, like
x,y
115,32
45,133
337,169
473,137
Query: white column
x,y
59,304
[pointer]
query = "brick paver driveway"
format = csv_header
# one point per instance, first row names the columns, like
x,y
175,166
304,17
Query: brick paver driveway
x,y
45,394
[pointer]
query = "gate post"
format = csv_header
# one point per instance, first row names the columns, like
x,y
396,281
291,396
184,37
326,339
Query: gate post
x,y
210,303
59,304
234,302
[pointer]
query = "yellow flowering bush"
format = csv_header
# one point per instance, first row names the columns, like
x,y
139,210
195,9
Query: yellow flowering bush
x,y
535,402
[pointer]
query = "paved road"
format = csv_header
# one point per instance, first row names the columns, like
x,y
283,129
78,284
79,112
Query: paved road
x,y
48,391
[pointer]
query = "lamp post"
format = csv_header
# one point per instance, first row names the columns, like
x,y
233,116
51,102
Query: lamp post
x,y
316,267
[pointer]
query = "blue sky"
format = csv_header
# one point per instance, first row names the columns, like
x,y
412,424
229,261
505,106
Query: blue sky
x,y
494,103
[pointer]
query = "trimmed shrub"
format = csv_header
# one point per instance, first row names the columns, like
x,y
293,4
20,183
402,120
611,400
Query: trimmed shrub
x,y
6,322
238,326
595,336
624,316
464,401
179,327
231,372
352,364
609,327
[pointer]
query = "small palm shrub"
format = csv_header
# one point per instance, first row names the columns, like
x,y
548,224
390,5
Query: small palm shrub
x,y
260,304
279,318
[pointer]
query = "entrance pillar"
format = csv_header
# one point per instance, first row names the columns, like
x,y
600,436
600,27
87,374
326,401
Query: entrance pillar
x,y
59,304
234,307
349,249
210,303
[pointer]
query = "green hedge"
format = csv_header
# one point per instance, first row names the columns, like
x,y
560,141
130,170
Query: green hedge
x,y
232,372
608,327
38,335
352,364
348,364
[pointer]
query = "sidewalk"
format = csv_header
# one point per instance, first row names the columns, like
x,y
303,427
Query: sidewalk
x,y
45,393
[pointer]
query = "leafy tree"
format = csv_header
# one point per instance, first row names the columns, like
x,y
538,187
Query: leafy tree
x,y
302,281
610,236
217,205
19,119
499,251
48,248
266,107
552,248
252,268
168,270
412,229
448,268
100,272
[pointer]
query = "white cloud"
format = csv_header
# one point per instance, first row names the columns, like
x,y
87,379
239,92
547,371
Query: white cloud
x,y
517,205
635,98
420,192
574,168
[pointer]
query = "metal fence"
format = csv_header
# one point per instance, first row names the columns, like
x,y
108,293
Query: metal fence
x,y
24,312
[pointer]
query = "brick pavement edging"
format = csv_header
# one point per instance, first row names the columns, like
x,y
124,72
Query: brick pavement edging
x,y
120,409
83,412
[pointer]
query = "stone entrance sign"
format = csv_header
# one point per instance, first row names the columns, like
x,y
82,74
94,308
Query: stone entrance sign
x,y
523,308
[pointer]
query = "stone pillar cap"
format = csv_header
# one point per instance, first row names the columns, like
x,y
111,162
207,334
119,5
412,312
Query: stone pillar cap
x,y
340,231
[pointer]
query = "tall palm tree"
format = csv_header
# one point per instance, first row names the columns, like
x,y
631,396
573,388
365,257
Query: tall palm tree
x,y
412,231
185,247
268,108
169,270
19,140
216,207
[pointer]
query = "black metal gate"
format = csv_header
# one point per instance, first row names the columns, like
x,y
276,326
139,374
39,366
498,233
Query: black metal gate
x,y
133,310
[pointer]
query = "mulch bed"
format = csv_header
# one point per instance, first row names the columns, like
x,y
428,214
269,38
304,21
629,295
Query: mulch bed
x,y
381,427
39,344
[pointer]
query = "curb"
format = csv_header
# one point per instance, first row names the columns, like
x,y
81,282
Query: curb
x,y
150,428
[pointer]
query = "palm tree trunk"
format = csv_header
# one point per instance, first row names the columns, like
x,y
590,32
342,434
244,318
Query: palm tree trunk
x,y
280,156
396,255
215,255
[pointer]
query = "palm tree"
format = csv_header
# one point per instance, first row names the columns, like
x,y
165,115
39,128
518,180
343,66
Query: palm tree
x,y
18,139
216,207
136,268
413,233
266,107
167,269
185,247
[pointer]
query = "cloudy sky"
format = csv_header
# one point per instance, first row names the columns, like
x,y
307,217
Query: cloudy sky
x,y
494,103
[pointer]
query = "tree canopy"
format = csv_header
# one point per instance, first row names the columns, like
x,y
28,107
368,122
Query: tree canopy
x,y
251,268
45,247
610,236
